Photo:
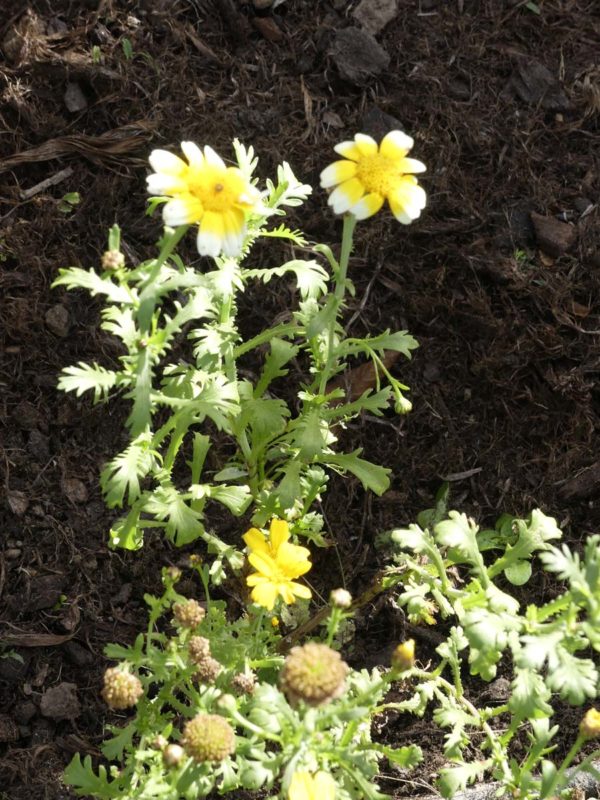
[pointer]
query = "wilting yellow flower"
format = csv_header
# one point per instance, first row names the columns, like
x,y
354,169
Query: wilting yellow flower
x,y
305,786
277,564
369,175
205,191
590,724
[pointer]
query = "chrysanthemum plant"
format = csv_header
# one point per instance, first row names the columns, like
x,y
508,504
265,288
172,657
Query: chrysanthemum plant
x,y
274,452
545,650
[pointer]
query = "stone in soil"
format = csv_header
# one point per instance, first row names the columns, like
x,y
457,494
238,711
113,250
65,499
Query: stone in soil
x,y
374,15
358,56
60,702
57,320
553,236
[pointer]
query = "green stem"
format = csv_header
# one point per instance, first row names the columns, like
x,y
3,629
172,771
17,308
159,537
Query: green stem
x,y
560,775
339,292
148,293
264,337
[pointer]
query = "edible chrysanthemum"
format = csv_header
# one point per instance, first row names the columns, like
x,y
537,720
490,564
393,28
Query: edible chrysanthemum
x,y
370,174
277,563
204,191
305,786
121,689
208,737
313,673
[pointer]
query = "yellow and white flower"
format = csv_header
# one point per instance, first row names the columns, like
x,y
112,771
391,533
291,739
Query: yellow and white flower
x,y
204,191
370,174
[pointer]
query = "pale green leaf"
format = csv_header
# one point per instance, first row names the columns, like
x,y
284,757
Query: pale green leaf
x,y
372,476
77,278
88,377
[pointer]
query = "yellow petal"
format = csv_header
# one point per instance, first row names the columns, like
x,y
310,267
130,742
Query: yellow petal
x,y
287,592
346,195
183,210
255,578
256,541
366,145
367,206
407,201
301,787
169,164
410,166
279,533
348,150
264,564
292,560
324,786
211,234
265,595
395,145
300,590
338,172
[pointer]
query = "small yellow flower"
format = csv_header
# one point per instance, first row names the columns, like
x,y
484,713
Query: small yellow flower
x,y
274,622
205,191
277,564
305,786
590,724
403,657
369,175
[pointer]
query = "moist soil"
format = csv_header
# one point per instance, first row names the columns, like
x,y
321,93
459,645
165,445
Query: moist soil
x,y
498,281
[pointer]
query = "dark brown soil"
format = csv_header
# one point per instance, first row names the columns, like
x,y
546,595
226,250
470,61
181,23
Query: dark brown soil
x,y
504,105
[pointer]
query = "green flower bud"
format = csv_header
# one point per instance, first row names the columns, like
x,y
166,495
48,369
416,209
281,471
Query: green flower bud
x,y
403,657
121,689
112,260
313,673
189,614
159,742
227,702
173,755
403,405
208,737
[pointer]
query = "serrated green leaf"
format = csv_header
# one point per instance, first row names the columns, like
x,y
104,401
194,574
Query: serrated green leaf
x,y
126,533
456,779
529,696
88,377
323,318
290,487
372,476
280,354
113,748
83,779
123,474
77,278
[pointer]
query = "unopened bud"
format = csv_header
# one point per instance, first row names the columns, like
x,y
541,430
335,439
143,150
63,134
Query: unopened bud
x,y
112,260
173,755
121,689
403,657
174,573
403,405
244,682
189,614
227,702
208,737
208,670
313,673
159,743
199,649
340,598
590,724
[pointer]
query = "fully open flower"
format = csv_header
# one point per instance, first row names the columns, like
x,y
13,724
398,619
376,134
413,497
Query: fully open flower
x,y
368,175
205,191
277,563
305,786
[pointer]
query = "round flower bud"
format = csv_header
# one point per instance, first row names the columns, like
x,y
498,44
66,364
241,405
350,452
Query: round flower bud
x,y
189,614
227,702
199,649
208,737
244,682
174,573
313,673
207,670
112,260
159,743
121,689
403,405
590,724
173,755
195,560
340,598
403,657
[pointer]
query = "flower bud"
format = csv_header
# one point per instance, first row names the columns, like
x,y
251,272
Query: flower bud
x,y
208,737
173,755
274,622
340,598
174,573
189,614
207,670
244,682
313,673
121,689
159,742
195,560
227,702
112,260
403,405
590,724
199,649
403,657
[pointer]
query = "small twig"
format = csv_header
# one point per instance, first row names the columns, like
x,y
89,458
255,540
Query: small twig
x,y
27,194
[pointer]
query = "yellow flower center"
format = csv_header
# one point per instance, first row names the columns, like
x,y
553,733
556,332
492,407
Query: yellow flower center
x,y
216,189
378,174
